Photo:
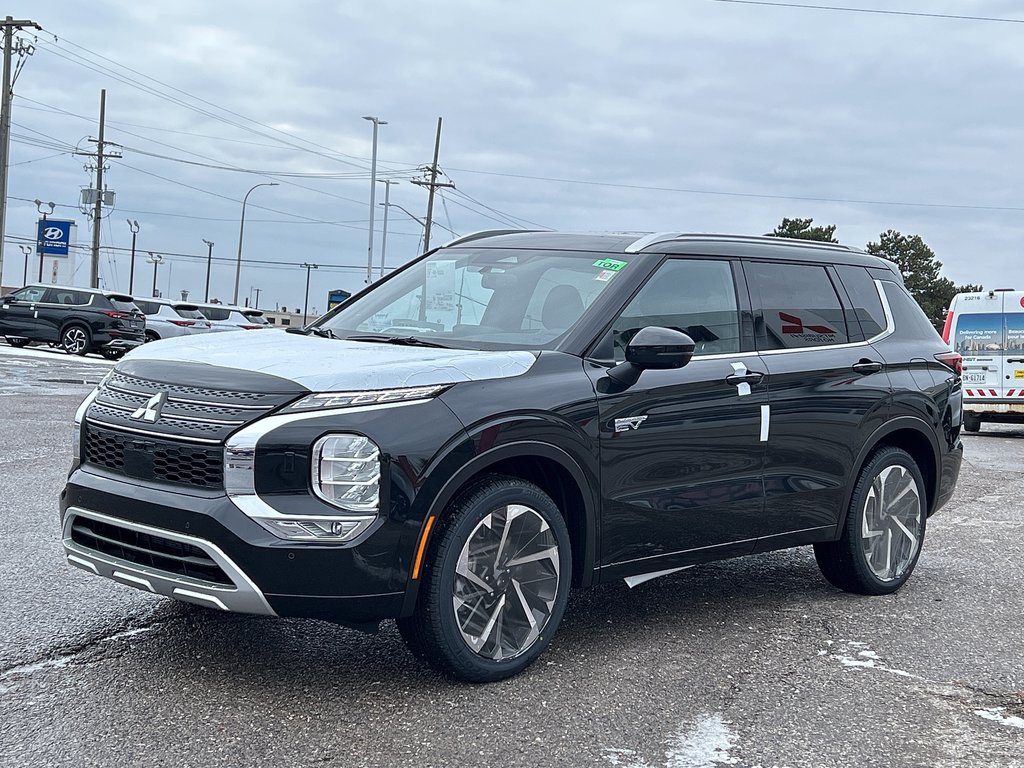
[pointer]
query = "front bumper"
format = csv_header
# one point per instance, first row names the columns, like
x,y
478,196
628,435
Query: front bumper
x,y
357,584
241,596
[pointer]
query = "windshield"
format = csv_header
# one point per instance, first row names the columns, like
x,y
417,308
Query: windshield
x,y
486,298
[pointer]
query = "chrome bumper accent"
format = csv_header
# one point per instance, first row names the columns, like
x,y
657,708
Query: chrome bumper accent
x,y
243,597
122,344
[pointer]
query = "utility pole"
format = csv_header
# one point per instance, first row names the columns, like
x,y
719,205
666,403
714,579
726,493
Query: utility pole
x,y
9,26
305,301
98,192
256,305
432,184
39,238
209,264
154,259
384,237
134,227
27,250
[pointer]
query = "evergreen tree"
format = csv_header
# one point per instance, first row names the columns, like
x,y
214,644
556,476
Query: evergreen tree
x,y
802,229
921,272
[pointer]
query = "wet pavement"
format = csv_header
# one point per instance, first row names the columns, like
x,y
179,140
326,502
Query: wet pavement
x,y
750,662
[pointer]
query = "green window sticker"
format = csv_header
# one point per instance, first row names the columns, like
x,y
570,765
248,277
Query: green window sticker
x,y
613,264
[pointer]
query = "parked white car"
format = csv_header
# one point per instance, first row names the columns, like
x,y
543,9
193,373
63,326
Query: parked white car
x,y
170,319
226,317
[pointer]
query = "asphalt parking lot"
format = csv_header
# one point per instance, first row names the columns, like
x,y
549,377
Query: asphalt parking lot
x,y
751,662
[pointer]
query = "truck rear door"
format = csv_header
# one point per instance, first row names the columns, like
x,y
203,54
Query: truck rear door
x,y
978,336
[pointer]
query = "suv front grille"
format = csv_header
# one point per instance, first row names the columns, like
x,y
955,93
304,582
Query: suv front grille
x,y
174,557
155,460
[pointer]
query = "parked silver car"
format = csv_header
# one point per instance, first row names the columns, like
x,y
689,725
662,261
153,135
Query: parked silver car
x,y
170,319
226,317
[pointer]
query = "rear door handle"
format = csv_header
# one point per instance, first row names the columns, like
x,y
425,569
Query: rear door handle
x,y
867,366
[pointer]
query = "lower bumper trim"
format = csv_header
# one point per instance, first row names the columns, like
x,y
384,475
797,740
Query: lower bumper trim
x,y
241,596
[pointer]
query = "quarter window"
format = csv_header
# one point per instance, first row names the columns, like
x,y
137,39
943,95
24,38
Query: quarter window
x,y
800,307
863,292
695,296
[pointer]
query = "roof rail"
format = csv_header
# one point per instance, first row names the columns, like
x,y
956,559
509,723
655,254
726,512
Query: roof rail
x,y
665,237
486,233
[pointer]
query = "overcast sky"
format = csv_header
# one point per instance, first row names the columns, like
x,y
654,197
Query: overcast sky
x,y
688,115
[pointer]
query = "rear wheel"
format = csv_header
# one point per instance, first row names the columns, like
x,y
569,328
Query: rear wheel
x,y
884,529
75,340
972,423
495,582
151,336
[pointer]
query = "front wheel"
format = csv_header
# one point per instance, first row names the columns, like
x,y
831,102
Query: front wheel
x,y
75,340
495,582
884,530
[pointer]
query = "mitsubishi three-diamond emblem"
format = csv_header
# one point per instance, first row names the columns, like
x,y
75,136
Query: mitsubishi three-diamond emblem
x,y
151,410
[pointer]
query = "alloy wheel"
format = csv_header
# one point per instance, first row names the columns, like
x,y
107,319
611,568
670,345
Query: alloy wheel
x,y
891,523
506,582
75,340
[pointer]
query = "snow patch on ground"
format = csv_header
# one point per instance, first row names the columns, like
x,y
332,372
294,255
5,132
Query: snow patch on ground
x,y
703,744
851,653
43,353
996,715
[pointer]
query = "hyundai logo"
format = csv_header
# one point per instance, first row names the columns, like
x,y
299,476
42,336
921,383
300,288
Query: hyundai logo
x,y
53,233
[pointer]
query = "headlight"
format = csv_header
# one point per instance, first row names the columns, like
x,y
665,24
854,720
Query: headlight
x,y
346,472
372,397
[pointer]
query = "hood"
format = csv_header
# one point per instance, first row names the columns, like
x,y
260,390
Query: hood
x,y
323,365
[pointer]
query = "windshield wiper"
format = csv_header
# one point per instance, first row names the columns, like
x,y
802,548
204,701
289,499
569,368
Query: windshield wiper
x,y
406,341
323,333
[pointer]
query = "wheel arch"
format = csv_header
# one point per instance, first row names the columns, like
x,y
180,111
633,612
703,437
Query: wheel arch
x,y
912,435
549,467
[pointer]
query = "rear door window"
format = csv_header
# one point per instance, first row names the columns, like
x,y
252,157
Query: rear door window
x,y
68,297
799,306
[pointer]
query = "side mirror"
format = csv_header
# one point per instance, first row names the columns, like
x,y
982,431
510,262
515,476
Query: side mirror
x,y
9,299
655,348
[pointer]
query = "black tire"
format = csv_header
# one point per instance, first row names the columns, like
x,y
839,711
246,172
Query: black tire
x,y
433,632
17,341
112,354
151,336
845,563
972,423
75,339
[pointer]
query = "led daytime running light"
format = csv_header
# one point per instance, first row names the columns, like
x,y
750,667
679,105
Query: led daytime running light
x,y
366,397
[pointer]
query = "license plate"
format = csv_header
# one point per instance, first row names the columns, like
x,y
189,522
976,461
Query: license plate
x,y
135,323
974,378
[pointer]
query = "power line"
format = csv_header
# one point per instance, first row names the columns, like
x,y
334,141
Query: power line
x,y
879,11
682,190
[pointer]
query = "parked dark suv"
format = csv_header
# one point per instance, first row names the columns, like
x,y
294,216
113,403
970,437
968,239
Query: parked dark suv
x,y
517,413
80,320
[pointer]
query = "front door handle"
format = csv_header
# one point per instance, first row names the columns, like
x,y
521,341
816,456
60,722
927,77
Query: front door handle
x,y
867,366
1015,360
750,377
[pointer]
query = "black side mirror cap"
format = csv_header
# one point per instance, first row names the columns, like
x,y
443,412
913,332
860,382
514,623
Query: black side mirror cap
x,y
653,348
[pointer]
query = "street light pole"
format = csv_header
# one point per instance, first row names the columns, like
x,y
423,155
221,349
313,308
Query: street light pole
x,y
209,263
241,231
134,227
305,301
39,240
154,259
377,122
27,250
384,237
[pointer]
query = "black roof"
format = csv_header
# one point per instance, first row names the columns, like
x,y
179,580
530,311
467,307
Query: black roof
x,y
747,246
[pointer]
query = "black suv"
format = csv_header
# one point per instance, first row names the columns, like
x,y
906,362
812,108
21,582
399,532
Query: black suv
x,y
517,413
80,320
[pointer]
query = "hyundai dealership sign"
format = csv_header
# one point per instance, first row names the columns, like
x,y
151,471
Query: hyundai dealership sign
x,y
54,236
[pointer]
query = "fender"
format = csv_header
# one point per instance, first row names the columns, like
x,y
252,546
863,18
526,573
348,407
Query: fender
x,y
523,448
892,425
